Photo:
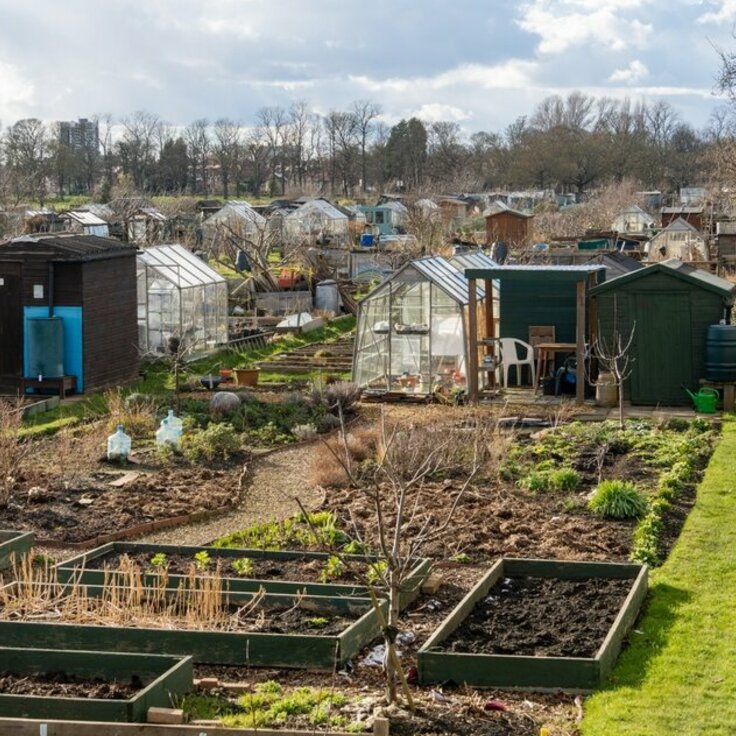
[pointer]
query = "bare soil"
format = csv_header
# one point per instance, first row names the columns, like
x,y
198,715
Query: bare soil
x,y
298,569
61,685
541,617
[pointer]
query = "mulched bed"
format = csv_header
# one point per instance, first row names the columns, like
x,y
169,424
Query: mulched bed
x,y
541,617
80,510
300,569
61,685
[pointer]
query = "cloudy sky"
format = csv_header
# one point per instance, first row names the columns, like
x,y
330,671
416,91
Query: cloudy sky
x,y
478,62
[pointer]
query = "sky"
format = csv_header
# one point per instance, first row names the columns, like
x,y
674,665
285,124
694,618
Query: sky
x,y
480,63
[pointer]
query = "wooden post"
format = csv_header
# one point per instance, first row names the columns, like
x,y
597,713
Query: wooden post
x,y
472,341
580,344
490,331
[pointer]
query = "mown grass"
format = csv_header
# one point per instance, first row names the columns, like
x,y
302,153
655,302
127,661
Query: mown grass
x,y
678,675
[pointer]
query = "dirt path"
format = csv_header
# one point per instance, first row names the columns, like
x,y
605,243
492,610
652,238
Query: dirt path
x,y
276,478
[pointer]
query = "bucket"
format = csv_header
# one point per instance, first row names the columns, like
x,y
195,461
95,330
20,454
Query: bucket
x,y
606,390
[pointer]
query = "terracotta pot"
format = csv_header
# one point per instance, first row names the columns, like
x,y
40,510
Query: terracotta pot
x,y
226,374
246,376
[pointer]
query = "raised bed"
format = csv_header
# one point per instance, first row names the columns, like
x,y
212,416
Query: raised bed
x,y
526,671
154,680
14,545
257,649
82,569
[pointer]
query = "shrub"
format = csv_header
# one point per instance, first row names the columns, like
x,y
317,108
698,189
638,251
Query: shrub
x,y
304,432
564,479
536,482
617,499
337,397
138,416
217,442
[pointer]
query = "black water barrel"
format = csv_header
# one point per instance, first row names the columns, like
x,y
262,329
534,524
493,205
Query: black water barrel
x,y
720,353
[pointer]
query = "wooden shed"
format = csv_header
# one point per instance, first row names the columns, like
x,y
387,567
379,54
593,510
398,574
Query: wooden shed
x,y
506,224
669,305
68,303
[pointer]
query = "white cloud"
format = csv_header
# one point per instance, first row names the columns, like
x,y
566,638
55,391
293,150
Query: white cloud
x,y
634,72
16,92
725,12
563,24
433,112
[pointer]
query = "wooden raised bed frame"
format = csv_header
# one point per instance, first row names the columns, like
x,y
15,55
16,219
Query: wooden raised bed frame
x,y
14,545
75,569
166,675
528,672
257,649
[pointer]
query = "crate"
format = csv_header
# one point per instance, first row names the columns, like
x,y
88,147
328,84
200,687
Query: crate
x,y
75,569
528,672
166,676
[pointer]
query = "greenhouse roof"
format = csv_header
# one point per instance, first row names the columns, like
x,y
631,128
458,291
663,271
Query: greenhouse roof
x,y
439,272
179,266
321,206
472,260
236,208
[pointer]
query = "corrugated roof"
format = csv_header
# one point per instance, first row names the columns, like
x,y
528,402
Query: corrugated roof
x,y
68,247
575,273
179,266
678,269
85,218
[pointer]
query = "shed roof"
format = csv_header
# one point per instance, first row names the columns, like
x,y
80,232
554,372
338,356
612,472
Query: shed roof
x,y
64,247
677,269
179,266
684,210
437,270
516,273
620,261
498,207
85,218
680,225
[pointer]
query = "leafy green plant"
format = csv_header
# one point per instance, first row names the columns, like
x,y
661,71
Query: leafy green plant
x,y
354,547
159,560
462,558
243,566
376,572
333,569
217,442
617,499
317,622
202,560
564,479
535,482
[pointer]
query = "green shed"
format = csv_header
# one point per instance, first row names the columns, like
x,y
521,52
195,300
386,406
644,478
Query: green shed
x,y
669,305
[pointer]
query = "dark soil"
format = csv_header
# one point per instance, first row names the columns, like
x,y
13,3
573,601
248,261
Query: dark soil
x,y
299,569
541,617
89,507
61,685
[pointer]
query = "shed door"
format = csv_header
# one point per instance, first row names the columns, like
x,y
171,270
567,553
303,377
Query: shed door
x,y
11,321
663,349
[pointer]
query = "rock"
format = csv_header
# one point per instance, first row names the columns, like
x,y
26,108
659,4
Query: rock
x,y
223,404
37,494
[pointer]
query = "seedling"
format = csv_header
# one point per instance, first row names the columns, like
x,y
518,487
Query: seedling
x,y
243,566
376,571
317,622
202,560
159,560
334,568
462,558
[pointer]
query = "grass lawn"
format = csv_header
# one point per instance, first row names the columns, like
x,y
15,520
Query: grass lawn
x,y
679,674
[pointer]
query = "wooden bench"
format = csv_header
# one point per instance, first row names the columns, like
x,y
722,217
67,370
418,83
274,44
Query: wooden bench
x,y
61,385
727,390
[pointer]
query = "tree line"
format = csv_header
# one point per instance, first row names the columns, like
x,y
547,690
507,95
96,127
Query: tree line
x,y
568,144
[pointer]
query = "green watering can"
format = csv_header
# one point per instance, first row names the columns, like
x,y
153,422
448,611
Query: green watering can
x,y
705,400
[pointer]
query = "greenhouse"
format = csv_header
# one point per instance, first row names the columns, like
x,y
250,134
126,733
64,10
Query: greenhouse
x,y
412,330
180,296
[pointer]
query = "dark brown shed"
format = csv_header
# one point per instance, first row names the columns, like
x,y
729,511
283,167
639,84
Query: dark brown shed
x,y
506,224
88,283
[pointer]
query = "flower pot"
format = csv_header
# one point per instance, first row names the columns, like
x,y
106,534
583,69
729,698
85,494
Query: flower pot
x,y
246,376
226,374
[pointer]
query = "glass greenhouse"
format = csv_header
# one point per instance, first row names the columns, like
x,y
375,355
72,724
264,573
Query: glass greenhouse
x,y
180,296
411,333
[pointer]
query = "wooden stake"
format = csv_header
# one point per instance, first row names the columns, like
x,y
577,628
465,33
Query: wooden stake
x,y
472,342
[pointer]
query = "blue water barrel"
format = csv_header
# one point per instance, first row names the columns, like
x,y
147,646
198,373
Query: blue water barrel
x,y
720,353
366,240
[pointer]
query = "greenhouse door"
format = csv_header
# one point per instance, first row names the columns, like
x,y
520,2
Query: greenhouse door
x,y
11,321
661,348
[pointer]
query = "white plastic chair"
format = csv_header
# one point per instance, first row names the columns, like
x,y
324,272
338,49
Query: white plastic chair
x,y
510,347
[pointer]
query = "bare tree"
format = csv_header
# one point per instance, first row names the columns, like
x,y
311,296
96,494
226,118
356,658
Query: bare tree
x,y
614,354
137,147
227,149
14,448
27,151
364,113
198,142
273,124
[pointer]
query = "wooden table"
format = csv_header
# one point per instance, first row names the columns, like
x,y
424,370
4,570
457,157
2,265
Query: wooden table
x,y
61,385
546,352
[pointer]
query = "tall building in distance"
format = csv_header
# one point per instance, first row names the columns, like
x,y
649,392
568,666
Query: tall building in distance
x,y
80,135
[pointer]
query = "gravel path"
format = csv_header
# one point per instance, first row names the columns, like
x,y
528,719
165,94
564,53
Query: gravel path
x,y
275,479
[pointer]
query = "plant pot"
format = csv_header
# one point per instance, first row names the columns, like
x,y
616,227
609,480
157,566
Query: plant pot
x,y
226,374
210,382
246,376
